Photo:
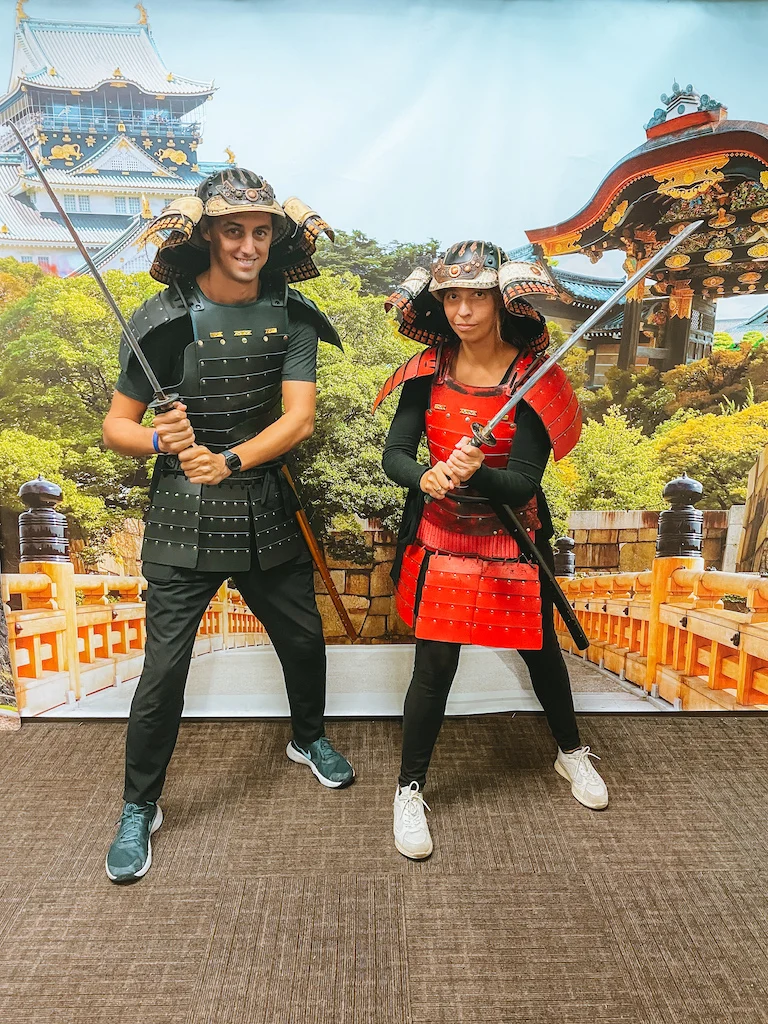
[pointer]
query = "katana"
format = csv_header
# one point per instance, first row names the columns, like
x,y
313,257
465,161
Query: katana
x,y
163,400
484,434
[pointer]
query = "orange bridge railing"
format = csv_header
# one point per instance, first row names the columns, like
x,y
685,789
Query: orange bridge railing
x,y
72,634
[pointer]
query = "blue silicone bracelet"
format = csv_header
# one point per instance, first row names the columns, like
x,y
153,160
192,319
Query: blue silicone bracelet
x,y
155,443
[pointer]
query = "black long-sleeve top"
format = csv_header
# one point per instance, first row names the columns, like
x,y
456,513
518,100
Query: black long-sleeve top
x,y
513,486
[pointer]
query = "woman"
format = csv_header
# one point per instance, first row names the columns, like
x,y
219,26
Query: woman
x,y
459,575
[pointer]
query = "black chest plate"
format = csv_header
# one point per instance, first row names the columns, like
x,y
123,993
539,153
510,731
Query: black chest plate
x,y
232,387
233,370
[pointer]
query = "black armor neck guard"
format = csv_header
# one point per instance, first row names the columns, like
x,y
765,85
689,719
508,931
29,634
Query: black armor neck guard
x,y
182,250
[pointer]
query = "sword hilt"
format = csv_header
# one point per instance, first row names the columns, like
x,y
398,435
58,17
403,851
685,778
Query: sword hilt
x,y
164,403
482,435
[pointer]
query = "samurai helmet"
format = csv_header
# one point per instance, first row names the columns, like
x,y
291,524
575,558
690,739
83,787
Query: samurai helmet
x,y
473,264
182,249
468,265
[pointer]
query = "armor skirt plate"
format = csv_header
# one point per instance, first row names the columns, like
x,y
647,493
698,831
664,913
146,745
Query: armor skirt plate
x,y
468,600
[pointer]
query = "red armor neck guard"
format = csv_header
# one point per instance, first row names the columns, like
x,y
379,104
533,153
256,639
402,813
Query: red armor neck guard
x,y
552,398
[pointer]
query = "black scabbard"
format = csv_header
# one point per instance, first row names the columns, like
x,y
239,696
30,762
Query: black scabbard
x,y
513,526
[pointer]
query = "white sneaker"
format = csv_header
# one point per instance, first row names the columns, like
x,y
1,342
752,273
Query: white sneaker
x,y
586,785
412,836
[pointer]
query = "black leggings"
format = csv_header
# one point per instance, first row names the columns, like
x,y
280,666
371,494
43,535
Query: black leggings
x,y
433,674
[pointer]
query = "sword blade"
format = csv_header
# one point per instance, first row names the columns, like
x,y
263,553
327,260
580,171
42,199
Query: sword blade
x,y
482,434
161,397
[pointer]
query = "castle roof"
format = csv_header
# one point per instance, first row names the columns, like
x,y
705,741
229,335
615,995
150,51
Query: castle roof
x,y
70,55
581,288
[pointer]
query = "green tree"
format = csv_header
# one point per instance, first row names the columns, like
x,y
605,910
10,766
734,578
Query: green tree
x,y
721,341
614,466
717,450
58,366
379,267
753,339
340,464
16,279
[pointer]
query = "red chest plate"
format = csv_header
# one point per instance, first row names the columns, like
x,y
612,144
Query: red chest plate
x,y
454,408
464,523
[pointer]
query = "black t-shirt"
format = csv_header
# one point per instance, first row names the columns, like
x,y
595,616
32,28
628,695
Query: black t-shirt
x,y
164,350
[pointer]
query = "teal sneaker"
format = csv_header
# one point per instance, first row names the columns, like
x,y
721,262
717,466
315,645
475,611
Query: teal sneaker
x,y
130,855
328,766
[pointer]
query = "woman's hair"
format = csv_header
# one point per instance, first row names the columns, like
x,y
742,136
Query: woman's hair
x,y
508,330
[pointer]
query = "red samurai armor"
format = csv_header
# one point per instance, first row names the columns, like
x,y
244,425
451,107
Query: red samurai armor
x,y
463,579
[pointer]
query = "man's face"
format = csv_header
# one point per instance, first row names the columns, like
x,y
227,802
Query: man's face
x,y
240,243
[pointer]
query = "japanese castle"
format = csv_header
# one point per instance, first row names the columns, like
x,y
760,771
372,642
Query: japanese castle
x,y
115,130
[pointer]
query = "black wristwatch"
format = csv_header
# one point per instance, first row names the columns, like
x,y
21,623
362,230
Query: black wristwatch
x,y
234,465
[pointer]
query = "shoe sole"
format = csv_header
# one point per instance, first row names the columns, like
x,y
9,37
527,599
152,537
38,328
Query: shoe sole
x,y
413,856
299,758
592,807
156,823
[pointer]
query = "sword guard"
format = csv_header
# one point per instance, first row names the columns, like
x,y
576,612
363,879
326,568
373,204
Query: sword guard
x,y
160,405
482,436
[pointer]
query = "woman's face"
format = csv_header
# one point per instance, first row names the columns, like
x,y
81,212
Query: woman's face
x,y
472,313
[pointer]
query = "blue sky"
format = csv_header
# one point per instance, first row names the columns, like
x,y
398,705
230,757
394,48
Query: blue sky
x,y
438,118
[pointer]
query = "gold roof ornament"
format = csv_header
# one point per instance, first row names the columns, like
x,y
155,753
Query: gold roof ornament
x,y
688,179
146,209
20,13
142,14
117,73
4,229
230,155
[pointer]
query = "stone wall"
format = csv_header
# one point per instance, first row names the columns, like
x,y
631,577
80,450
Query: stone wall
x,y
611,541
367,592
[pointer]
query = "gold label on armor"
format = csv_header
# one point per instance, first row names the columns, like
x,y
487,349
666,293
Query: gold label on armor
x,y
243,334
269,330
440,407
216,334
468,412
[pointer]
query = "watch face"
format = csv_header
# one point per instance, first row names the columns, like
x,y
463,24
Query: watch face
x,y
233,461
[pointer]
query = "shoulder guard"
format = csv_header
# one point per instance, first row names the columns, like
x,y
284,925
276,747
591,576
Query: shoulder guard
x,y
556,405
305,309
423,364
171,303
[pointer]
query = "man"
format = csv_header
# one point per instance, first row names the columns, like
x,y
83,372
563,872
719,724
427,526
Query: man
x,y
239,346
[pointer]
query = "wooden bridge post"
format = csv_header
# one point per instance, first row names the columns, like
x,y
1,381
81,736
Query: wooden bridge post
x,y
565,559
678,546
45,548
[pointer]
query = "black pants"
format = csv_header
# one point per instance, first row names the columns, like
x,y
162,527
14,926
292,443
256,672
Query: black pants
x,y
433,674
282,598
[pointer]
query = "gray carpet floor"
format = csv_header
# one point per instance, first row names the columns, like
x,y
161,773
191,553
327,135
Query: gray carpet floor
x,y
274,901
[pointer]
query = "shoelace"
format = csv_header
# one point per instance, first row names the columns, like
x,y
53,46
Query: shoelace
x,y
411,815
130,824
324,746
584,765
